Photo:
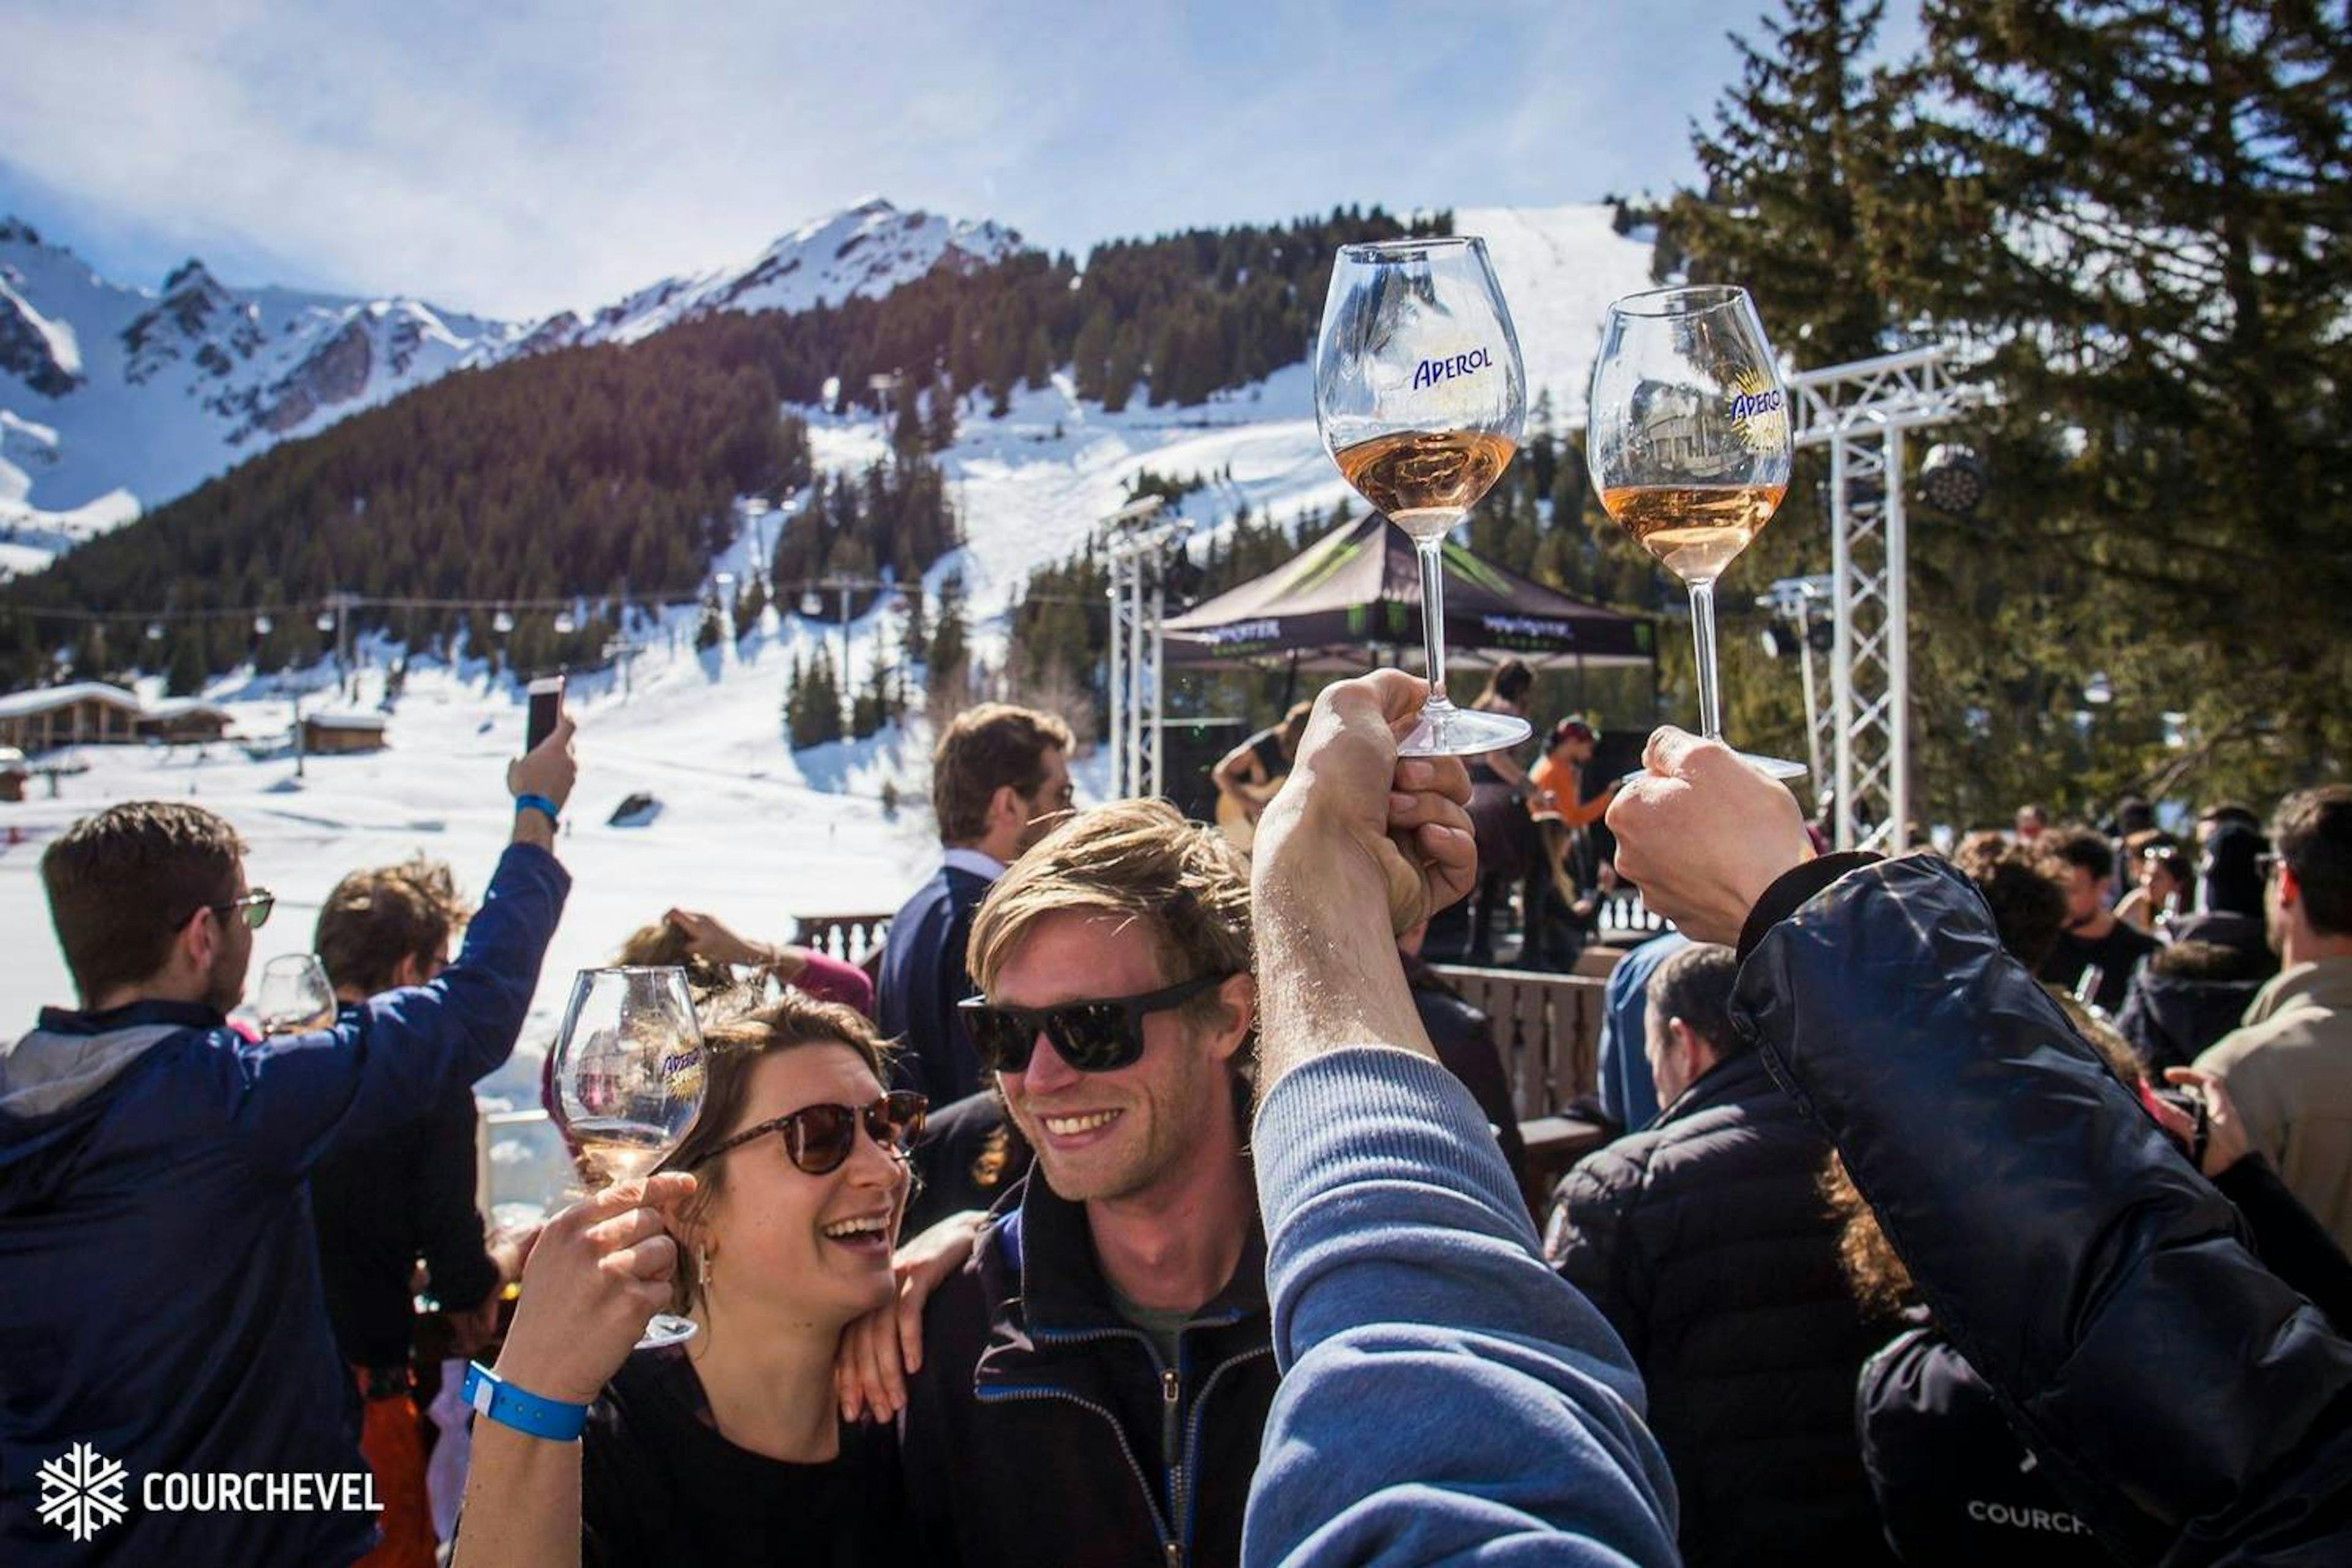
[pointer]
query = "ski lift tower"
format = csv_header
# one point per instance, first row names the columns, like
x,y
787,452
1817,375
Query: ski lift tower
x,y
1860,411
1138,542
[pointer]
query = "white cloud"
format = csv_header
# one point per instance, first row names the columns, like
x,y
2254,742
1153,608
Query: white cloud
x,y
522,158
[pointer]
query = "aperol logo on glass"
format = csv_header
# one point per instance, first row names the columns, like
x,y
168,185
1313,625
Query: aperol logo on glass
x,y
1429,371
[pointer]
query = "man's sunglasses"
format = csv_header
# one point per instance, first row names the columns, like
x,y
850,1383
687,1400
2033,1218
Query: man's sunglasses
x,y
1093,1037
819,1139
254,906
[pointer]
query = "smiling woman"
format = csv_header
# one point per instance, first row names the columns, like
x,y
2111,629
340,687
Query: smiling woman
x,y
731,1444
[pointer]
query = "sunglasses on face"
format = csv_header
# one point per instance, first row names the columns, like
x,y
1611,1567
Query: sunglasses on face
x,y
254,906
819,1139
1101,1036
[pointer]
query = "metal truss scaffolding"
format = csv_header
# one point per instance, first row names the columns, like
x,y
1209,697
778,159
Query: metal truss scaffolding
x,y
1860,411
1136,542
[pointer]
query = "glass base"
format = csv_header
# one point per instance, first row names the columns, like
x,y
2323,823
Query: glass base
x,y
666,1329
1770,767
1445,731
1774,767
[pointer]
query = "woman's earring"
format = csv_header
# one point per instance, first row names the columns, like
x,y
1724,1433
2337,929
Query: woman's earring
x,y
702,1266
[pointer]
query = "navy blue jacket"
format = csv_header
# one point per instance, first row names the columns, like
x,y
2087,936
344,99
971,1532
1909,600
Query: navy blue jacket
x,y
2184,1400
923,978
160,1294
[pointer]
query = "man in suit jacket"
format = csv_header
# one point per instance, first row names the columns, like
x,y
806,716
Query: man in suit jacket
x,y
1000,779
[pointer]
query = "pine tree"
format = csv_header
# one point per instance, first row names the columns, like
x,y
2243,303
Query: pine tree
x,y
2138,209
750,606
940,425
1793,148
950,650
795,686
822,699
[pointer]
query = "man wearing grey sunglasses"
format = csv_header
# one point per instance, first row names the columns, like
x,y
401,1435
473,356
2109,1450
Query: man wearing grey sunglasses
x,y
162,1311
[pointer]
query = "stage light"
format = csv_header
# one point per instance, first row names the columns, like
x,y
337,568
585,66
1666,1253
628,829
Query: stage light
x,y
1954,478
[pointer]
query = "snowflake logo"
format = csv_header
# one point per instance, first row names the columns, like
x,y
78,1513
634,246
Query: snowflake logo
x,y
81,1491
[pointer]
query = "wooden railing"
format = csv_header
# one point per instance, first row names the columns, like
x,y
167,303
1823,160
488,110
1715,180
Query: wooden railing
x,y
1548,1030
852,939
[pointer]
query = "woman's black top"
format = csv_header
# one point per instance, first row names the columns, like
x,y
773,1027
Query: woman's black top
x,y
660,1485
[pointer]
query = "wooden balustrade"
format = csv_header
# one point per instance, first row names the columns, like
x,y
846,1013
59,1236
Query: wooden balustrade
x,y
852,939
1548,1030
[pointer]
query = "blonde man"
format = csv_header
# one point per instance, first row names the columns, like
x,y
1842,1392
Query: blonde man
x,y
1101,1371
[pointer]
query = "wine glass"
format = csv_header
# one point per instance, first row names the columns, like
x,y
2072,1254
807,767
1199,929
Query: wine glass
x,y
1688,447
1420,399
628,1078
293,997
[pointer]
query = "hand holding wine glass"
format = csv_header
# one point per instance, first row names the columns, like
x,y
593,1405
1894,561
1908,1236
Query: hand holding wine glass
x,y
1688,447
294,997
629,1079
1420,398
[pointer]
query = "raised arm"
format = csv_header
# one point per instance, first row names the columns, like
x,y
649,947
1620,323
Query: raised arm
x,y
1401,1268
390,1059
2180,1394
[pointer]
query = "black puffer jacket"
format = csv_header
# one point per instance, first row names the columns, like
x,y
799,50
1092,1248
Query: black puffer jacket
x,y
1706,1242
1955,1485
1042,1428
2184,1400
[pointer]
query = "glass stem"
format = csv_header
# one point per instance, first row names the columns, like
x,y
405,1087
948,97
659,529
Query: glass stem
x,y
1432,616
1710,714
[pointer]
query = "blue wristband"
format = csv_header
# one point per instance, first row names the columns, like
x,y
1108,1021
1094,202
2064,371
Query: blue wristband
x,y
527,1413
540,804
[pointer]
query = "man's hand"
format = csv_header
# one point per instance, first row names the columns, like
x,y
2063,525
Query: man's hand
x,y
877,1351
599,1270
1358,848
548,770
1703,834
2225,1131
1356,817
708,937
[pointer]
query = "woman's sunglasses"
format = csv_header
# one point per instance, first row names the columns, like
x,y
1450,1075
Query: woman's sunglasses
x,y
819,1139
1093,1037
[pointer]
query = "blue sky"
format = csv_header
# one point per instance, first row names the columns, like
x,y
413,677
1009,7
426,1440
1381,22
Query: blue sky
x,y
522,157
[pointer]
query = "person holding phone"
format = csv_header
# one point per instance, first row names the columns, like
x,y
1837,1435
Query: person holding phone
x,y
163,1302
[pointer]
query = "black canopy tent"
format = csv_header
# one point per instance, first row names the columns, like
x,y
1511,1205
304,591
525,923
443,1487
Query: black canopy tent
x,y
1358,589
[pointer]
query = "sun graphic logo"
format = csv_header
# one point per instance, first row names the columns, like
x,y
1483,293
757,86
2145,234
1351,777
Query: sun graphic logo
x,y
81,1491
1760,409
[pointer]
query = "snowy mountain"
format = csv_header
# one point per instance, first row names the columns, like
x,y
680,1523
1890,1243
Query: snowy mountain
x,y
114,399
867,250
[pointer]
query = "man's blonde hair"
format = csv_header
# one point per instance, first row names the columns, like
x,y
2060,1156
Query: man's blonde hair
x,y
1137,860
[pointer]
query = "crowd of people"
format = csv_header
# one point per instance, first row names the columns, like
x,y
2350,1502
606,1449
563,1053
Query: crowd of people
x,y
1161,1204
